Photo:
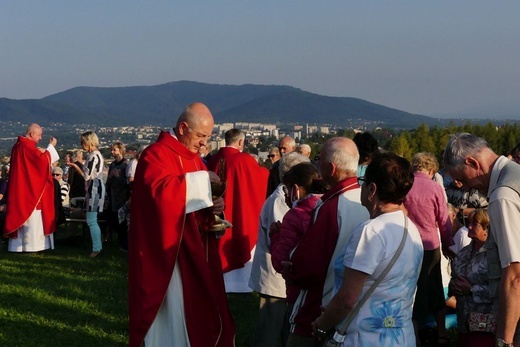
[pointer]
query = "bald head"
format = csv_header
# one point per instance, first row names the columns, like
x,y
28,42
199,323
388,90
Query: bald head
x,y
195,113
194,126
338,160
34,132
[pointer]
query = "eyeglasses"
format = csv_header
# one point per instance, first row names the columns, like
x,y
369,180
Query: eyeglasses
x,y
361,180
56,174
271,156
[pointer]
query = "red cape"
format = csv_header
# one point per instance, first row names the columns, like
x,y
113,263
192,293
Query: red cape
x,y
162,234
244,197
30,182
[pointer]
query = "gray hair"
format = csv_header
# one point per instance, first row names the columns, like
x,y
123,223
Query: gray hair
x,y
334,150
233,136
304,147
289,160
460,146
77,154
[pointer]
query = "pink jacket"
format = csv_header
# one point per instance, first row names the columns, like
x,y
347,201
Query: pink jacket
x,y
427,208
294,225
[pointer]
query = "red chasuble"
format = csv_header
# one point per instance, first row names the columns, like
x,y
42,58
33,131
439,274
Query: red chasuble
x,y
216,162
162,236
244,197
30,186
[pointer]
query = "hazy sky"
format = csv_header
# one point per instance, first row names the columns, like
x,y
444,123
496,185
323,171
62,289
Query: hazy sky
x,y
426,57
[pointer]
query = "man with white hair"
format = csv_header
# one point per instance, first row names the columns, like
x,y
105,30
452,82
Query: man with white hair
x,y
312,262
286,145
469,160
270,329
304,149
31,219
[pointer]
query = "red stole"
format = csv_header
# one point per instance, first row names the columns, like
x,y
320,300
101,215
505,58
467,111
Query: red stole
x,y
163,235
30,185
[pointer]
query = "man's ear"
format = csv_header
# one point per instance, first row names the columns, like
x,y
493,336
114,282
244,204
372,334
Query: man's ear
x,y
183,128
472,162
332,168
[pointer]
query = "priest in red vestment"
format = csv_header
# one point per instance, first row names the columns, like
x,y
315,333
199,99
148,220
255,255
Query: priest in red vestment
x,y
30,215
176,289
246,182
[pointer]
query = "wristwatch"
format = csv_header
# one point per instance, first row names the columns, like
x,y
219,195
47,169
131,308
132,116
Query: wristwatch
x,y
502,343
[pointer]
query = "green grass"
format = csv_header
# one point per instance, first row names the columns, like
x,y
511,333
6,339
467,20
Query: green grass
x,y
64,298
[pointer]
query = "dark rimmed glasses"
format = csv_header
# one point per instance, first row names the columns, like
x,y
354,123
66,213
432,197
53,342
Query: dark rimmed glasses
x,y
361,180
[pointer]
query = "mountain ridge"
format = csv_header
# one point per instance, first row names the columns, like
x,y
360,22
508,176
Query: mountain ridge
x,y
160,104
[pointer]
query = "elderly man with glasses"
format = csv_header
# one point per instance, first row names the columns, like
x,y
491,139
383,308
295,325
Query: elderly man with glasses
x,y
274,155
286,145
57,174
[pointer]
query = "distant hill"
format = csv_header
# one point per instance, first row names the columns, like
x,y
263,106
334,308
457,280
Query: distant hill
x,y
42,111
162,104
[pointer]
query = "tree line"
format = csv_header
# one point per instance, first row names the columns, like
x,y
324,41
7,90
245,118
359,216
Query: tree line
x,y
425,139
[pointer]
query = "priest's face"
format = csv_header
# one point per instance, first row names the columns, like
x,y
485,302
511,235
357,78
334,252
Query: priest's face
x,y
36,135
196,136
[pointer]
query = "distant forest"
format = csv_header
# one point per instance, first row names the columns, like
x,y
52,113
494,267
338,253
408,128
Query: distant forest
x,y
406,143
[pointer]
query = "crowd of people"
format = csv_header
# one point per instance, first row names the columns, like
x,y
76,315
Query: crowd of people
x,y
343,249
78,190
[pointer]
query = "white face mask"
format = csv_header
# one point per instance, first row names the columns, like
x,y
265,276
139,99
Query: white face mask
x,y
295,196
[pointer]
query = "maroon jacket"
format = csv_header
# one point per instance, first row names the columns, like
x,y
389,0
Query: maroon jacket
x,y
294,225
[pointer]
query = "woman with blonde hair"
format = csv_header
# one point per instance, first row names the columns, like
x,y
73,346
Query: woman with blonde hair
x,y
428,210
95,192
470,285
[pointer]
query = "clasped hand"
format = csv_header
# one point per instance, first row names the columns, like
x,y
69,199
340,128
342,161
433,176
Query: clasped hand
x,y
460,286
218,202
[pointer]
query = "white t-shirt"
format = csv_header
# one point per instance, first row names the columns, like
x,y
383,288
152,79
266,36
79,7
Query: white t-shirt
x,y
386,316
504,213
130,169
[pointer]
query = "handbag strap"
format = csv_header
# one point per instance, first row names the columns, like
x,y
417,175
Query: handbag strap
x,y
356,309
